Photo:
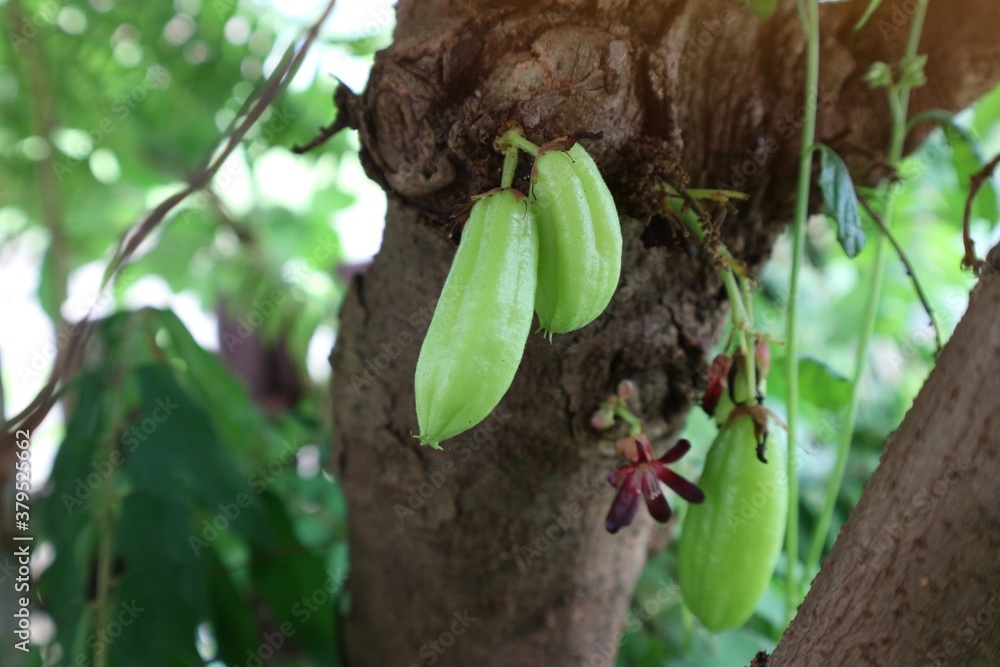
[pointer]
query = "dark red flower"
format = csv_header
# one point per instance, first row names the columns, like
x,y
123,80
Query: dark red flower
x,y
643,477
718,380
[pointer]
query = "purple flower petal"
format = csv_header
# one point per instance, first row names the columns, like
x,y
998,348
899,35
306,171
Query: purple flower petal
x,y
643,450
615,476
658,507
676,452
623,509
681,486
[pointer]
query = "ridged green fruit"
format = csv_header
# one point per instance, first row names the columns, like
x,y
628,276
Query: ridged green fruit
x,y
580,240
731,542
482,320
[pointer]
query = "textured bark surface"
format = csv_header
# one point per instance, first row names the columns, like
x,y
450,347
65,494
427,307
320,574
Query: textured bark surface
x,y
914,577
511,533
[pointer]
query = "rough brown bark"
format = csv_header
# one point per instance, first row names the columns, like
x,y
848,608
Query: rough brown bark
x,y
914,577
698,87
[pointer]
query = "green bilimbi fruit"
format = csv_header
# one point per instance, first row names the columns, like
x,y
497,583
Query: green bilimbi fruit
x,y
481,323
731,542
579,236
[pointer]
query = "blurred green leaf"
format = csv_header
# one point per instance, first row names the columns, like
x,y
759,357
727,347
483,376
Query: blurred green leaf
x,y
841,201
175,452
299,591
821,384
209,383
966,159
232,622
763,8
162,594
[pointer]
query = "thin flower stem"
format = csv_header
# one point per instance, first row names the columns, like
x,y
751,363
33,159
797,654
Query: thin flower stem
x,y
513,137
742,320
629,419
921,295
742,323
809,13
509,167
721,196
899,98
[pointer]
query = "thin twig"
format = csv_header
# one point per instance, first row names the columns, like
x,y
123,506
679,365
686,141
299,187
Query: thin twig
x,y
712,234
33,415
970,260
939,341
325,132
204,176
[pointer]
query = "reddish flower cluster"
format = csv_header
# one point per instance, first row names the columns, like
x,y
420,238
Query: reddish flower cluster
x,y
643,476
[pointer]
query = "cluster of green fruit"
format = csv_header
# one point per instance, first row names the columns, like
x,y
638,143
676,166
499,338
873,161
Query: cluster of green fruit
x,y
557,251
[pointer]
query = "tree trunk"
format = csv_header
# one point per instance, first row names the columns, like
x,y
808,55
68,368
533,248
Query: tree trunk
x,y
493,552
914,577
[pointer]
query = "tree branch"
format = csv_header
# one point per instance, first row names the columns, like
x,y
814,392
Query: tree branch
x,y
913,578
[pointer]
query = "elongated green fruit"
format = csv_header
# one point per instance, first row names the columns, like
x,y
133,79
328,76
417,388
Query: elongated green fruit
x,y
482,320
580,240
731,542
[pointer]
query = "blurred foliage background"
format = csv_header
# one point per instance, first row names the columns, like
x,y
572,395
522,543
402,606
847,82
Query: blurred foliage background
x,y
183,511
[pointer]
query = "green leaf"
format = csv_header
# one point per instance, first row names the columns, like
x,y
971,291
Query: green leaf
x,y
296,586
162,594
952,130
841,201
763,8
209,383
911,71
967,160
879,75
232,622
821,384
65,514
174,451
869,10
64,583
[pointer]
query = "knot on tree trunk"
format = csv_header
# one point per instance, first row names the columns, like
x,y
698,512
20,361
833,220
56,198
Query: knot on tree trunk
x,y
438,100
